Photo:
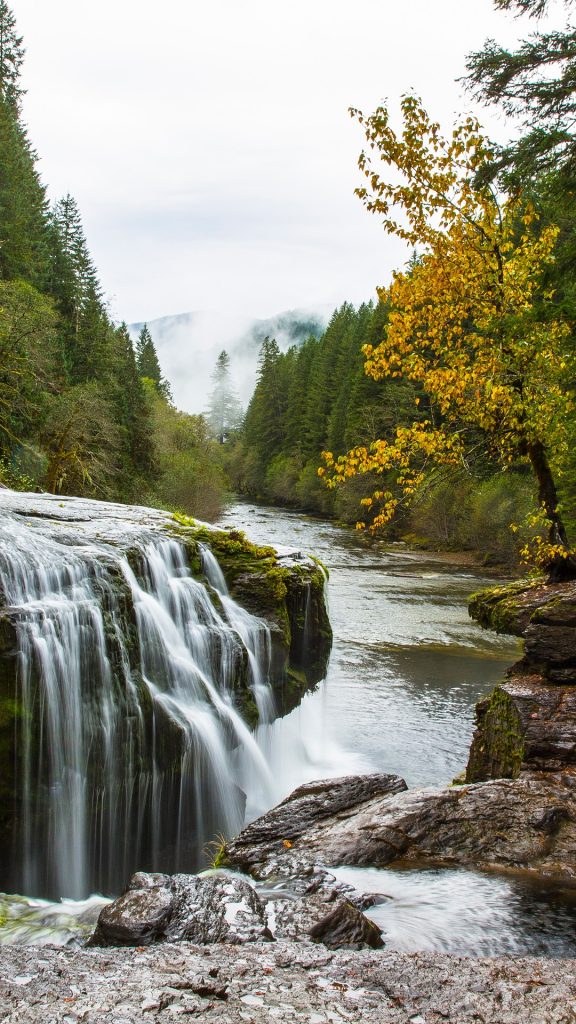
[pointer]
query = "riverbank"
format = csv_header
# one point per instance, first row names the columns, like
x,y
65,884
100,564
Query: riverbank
x,y
284,982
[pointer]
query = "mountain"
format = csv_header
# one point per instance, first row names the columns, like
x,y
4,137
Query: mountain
x,y
188,345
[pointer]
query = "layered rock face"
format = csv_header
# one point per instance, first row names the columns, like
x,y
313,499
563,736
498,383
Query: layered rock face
x,y
529,721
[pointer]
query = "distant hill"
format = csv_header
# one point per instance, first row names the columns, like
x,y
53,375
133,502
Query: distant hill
x,y
188,345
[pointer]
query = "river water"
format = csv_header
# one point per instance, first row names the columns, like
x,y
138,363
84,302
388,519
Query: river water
x,y
407,668
408,664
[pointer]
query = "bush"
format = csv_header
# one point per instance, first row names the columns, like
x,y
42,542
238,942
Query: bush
x,y
505,499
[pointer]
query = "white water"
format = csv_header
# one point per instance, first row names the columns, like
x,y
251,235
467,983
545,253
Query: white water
x,y
133,755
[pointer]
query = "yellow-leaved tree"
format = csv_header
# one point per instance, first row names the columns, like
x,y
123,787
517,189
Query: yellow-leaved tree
x,y
469,323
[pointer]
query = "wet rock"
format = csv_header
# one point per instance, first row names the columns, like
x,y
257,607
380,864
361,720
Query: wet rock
x,y
528,722
498,823
524,724
544,614
203,910
346,927
276,832
136,918
215,909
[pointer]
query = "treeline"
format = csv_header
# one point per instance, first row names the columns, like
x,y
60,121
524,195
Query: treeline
x,y
317,397
81,412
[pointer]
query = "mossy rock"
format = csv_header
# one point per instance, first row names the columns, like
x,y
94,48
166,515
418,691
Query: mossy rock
x,y
506,609
497,748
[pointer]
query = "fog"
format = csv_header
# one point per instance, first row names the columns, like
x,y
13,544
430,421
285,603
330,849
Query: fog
x,y
188,346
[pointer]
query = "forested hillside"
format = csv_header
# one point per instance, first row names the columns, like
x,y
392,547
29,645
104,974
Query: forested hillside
x,y
445,412
80,411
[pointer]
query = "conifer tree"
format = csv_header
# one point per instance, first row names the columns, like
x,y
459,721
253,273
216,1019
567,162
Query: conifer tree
x,y
11,57
224,412
535,83
24,238
265,422
148,364
133,410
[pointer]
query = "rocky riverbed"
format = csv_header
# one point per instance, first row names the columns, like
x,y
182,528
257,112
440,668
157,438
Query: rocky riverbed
x,y
282,981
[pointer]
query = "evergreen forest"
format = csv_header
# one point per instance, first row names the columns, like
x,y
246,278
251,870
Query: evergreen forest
x,y
81,410
440,412
443,413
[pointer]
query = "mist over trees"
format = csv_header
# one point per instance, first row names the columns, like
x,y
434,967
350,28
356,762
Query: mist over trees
x,y
446,412
81,412
224,413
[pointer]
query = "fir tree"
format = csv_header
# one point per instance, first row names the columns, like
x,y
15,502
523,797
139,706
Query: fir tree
x,y
224,412
148,364
535,83
11,57
133,409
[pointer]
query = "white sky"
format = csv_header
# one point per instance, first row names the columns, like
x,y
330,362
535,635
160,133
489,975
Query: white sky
x,y
209,144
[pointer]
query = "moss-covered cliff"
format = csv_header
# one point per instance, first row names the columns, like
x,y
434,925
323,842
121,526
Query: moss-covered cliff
x,y
529,720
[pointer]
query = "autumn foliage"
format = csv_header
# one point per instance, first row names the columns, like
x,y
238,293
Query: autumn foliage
x,y
470,324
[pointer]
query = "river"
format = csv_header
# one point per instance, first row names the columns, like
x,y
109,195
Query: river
x,y
406,670
408,664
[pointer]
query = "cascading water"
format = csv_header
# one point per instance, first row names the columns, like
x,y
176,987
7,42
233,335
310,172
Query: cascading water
x,y
131,752
254,633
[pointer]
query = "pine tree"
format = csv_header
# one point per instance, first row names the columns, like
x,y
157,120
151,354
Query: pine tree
x,y
133,409
535,83
24,238
148,364
265,424
224,412
11,57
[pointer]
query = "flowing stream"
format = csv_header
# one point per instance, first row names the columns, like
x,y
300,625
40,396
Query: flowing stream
x,y
406,671
407,668
408,664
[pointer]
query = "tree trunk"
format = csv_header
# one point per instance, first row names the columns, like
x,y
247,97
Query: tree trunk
x,y
560,567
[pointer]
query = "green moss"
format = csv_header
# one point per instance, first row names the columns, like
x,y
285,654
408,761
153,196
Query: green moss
x,y
500,608
497,750
246,705
227,542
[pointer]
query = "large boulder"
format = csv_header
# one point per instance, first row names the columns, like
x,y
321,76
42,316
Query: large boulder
x,y
224,908
528,823
303,814
541,612
162,908
523,724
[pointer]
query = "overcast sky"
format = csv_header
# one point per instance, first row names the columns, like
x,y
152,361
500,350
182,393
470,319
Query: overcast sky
x,y
209,145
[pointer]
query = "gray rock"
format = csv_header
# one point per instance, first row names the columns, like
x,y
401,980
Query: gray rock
x,y
215,909
529,822
212,909
524,724
285,982
274,834
136,918
346,927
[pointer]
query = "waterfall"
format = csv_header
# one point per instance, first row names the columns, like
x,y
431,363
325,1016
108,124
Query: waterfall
x,y
132,754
